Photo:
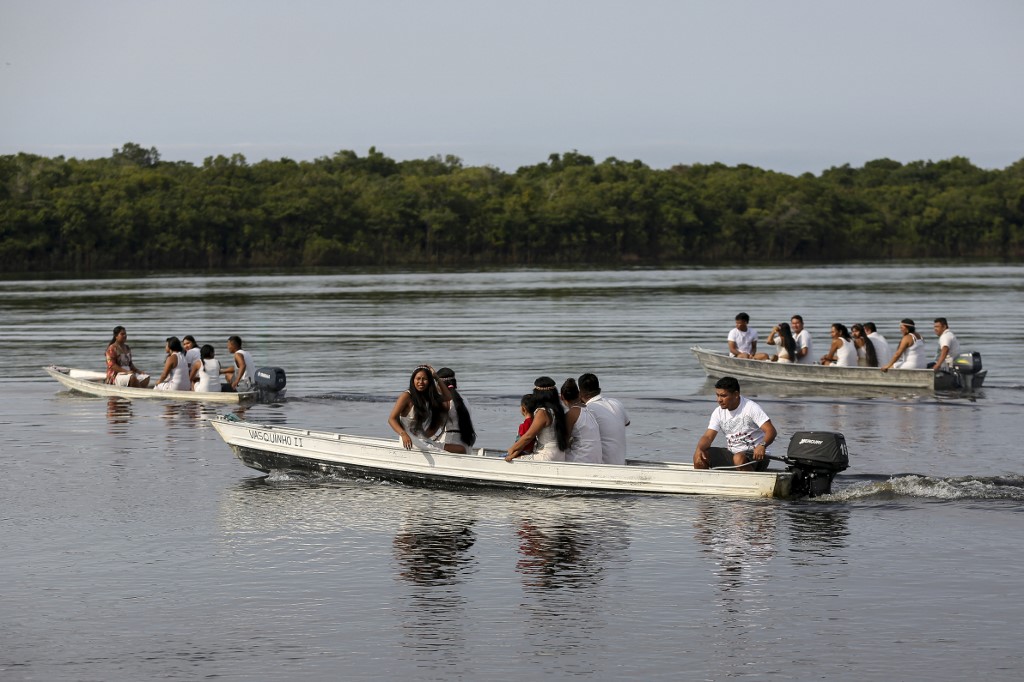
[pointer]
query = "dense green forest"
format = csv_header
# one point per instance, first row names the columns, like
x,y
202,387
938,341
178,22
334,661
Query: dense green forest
x,y
135,211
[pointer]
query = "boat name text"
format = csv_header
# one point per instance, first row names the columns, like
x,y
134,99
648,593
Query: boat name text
x,y
275,438
811,441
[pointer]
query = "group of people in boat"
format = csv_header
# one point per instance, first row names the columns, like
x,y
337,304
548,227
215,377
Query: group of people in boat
x,y
859,345
575,423
187,366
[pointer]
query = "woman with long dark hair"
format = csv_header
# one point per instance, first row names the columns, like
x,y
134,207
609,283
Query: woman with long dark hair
x,y
175,374
866,355
457,434
842,352
584,433
120,368
420,410
781,337
548,426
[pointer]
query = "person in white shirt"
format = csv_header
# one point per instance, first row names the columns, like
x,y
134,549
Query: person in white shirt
x,y
882,350
949,346
804,348
747,429
742,339
612,419
910,353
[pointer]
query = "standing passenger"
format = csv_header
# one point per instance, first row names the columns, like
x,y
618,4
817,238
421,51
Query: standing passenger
x,y
612,419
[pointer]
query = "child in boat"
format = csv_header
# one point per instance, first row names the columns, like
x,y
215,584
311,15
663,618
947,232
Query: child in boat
x,y
526,407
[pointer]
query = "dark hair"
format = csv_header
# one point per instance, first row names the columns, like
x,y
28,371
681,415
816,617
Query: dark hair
x,y
911,327
545,395
117,330
237,340
728,384
426,405
942,321
870,327
466,430
570,391
528,403
788,342
744,317
206,352
174,343
869,346
843,331
589,384
796,317
189,338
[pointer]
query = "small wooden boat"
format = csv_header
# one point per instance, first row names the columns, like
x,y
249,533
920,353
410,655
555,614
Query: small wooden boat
x,y
717,364
269,447
91,382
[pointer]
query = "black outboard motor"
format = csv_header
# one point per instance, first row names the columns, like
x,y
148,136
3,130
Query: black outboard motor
x,y
815,457
270,382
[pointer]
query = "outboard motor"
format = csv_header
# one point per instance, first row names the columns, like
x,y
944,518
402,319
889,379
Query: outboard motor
x,y
965,367
815,457
270,382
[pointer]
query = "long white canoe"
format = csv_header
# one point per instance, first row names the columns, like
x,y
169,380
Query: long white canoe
x,y
717,364
268,447
88,381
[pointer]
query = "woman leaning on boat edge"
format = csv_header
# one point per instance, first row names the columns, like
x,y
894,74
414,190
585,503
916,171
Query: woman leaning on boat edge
x,y
420,409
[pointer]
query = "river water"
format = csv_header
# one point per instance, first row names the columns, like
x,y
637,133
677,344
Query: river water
x,y
135,546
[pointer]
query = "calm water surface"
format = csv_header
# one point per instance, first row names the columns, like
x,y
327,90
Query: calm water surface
x,y
134,545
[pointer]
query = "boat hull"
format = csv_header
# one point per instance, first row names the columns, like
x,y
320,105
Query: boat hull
x,y
267,448
719,365
92,383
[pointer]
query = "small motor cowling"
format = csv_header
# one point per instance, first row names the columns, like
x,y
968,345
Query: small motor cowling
x,y
967,363
270,379
815,457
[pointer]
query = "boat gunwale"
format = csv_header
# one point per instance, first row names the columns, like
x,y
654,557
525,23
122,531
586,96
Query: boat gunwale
x,y
95,388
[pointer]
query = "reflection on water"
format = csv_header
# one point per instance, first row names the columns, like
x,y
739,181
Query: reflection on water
x,y
119,415
433,553
818,533
739,537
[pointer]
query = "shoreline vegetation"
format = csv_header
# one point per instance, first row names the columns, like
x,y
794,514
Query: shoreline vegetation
x,y
133,211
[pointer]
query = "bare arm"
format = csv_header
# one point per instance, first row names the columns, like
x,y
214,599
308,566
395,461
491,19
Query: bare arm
x,y
540,420
172,360
941,359
769,437
237,376
700,455
904,344
400,408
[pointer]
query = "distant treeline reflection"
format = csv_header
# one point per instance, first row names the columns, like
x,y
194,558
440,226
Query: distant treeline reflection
x,y
134,211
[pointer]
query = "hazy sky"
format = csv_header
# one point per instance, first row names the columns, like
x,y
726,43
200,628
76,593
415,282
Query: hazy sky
x,y
789,85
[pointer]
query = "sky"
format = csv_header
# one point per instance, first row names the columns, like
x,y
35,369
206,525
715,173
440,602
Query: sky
x,y
790,85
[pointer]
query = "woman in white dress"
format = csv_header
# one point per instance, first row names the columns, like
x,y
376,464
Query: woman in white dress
x,y
866,356
205,372
457,434
175,374
584,433
842,352
548,427
782,337
420,410
910,354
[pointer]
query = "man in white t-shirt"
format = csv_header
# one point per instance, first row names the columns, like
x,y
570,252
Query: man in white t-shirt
x,y
612,419
742,339
804,348
882,350
747,429
949,346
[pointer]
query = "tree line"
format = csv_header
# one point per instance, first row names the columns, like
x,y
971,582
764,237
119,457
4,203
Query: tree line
x,y
133,210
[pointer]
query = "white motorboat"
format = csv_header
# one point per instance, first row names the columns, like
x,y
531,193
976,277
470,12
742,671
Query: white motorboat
x,y
271,447
967,373
93,383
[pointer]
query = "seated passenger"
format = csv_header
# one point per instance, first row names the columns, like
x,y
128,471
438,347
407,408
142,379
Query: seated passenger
x,y
174,377
866,356
949,346
242,376
742,339
842,352
910,353
548,427
121,371
205,372
526,407
580,422
457,434
781,336
420,410
748,430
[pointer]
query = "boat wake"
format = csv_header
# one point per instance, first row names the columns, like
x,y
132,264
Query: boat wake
x,y
928,487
